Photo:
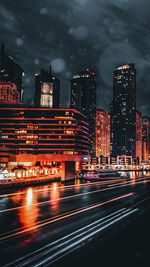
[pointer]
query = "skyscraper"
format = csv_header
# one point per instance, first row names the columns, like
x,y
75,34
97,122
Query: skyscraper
x,y
102,133
11,72
9,93
123,112
139,135
145,138
47,90
83,98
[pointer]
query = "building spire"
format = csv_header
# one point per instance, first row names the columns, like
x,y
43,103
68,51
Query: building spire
x,y
2,55
2,48
50,70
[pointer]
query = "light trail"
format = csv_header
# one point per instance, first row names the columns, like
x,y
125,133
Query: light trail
x,y
64,216
53,258
70,246
64,187
88,184
64,237
45,220
46,249
139,202
114,186
59,199
77,237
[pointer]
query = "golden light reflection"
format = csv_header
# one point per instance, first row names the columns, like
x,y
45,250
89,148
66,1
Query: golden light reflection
x,y
77,183
29,213
17,199
54,196
29,197
133,178
147,174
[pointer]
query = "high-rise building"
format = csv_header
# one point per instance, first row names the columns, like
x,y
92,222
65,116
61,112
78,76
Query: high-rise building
x,y
30,134
102,133
123,112
11,72
145,139
9,93
139,135
83,98
47,90
108,135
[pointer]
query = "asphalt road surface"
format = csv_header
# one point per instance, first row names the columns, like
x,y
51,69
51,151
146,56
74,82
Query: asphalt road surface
x,y
102,223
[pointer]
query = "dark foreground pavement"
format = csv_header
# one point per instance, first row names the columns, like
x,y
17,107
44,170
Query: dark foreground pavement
x,y
125,245
93,224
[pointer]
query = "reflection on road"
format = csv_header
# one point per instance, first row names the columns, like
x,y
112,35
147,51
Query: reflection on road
x,y
29,213
54,196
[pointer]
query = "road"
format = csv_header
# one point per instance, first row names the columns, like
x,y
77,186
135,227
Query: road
x,y
68,225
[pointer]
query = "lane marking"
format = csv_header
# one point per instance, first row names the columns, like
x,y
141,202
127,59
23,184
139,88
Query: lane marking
x,y
66,216
63,187
51,258
69,235
21,228
54,200
114,186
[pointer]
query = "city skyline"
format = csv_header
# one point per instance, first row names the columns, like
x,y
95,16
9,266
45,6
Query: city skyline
x,y
74,133
122,37
46,73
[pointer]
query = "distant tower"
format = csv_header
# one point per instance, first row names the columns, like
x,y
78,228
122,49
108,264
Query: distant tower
x,y
102,133
145,138
47,90
11,72
83,98
139,135
9,93
123,112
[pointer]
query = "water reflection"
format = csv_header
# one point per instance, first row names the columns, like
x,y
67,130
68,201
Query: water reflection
x,y
77,183
29,197
54,196
133,175
28,213
133,178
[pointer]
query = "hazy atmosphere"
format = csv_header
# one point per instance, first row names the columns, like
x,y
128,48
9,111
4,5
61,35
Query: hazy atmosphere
x,y
74,34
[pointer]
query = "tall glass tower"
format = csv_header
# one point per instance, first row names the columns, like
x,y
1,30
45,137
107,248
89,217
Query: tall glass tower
x,y
83,98
11,72
47,90
123,112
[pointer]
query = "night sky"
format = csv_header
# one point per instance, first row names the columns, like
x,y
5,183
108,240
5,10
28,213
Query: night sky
x,y
75,34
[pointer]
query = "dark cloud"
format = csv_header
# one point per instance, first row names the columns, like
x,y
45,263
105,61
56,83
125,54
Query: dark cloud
x,y
73,34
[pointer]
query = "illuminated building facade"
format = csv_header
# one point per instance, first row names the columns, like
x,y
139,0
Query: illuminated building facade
x,y
42,134
11,72
83,98
145,139
47,90
139,135
102,134
123,112
9,93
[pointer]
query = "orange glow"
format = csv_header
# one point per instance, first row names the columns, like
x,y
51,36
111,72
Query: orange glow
x,y
133,178
123,67
28,213
139,135
8,93
35,136
54,196
145,139
66,215
102,134
78,185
